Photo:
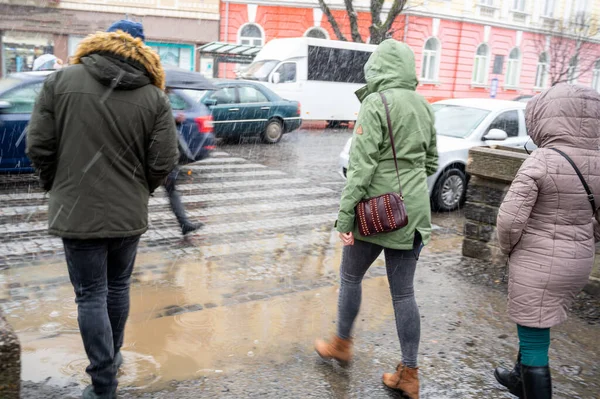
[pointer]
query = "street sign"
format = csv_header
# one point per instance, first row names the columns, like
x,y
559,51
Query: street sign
x,y
494,88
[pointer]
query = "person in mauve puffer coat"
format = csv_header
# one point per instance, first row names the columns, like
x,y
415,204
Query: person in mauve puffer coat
x,y
547,227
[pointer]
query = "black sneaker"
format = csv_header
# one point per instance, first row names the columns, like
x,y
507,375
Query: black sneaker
x,y
89,393
191,227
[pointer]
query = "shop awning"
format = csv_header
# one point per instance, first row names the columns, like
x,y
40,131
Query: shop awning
x,y
227,52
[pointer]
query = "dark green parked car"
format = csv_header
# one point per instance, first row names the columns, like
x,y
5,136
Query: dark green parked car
x,y
242,108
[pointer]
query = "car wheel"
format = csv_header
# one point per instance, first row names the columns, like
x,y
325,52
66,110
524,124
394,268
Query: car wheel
x,y
273,132
450,190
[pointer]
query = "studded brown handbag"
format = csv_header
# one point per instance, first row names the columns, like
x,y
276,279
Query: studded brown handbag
x,y
386,212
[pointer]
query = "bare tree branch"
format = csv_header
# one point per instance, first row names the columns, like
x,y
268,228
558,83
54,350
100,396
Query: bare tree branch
x,y
353,17
376,7
332,21
395,10
571,54
379,30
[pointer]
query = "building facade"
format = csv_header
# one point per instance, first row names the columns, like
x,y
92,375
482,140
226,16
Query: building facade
x,y
174,28
463,48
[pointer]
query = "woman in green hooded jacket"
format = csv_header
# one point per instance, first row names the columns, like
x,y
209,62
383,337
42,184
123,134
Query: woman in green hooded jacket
x,y
390,71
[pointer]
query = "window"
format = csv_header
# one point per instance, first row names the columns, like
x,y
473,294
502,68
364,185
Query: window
x,y
581,6
507,122
481,64
513,68
336,65
177,102
251,35
429,69
548,8
541,74
249,95
287,72
572,71
174,55
519,5
259,70
581,12
317,33
224,96
596,76
22,99
487,2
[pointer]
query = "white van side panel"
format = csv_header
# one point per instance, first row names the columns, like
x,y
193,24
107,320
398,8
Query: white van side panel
x,y
329,101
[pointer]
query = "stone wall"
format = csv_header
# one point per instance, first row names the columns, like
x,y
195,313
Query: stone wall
x,y
492,170
10,361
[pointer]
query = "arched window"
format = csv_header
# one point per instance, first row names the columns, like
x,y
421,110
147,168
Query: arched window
x,y
317,33
596,76
251,35
541,74
513,69
481,64
572,72
431,58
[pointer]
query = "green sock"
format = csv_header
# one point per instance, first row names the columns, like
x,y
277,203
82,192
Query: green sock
x,y
534,344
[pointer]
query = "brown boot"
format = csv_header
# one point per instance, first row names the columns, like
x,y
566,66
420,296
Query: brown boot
x,y
404,379
338,349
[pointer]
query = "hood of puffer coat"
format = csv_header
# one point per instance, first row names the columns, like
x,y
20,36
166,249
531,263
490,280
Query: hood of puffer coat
x,y
391,66
565,115
117,56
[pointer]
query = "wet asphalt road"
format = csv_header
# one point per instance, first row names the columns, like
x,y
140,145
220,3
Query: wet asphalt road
x,y
232,311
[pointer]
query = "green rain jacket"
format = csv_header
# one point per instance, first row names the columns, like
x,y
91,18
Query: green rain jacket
x,y
391,70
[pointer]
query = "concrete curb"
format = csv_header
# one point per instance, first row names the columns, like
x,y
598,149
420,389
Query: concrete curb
x,y
10,361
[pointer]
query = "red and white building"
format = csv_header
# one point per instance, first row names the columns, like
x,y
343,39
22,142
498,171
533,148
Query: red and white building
x,y
455,42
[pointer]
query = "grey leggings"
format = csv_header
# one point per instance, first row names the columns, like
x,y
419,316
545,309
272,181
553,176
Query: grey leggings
x,y
400,265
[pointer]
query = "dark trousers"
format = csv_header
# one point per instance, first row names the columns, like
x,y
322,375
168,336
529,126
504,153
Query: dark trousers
x,y
100,271
175,198
401,266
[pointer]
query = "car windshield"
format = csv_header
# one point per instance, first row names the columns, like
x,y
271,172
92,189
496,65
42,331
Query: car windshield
x,y
259,70
457,121
8,83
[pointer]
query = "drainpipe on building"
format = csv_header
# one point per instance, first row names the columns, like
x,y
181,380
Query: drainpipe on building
x,y
406,19
460,35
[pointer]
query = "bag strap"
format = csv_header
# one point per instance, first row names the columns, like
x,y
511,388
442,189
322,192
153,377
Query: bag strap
x,y
590,195
391,134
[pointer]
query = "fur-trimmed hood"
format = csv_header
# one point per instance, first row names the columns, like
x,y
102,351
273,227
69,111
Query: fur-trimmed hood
x,y
126,56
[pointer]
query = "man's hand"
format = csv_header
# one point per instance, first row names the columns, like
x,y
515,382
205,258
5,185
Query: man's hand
x,y
347,238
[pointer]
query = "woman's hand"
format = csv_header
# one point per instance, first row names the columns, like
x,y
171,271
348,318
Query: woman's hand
x,y
347,238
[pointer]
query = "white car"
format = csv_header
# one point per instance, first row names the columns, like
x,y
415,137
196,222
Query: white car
x,y
462,124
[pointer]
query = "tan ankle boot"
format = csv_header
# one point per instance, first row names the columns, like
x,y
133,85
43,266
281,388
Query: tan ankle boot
x,y
404,379
338,349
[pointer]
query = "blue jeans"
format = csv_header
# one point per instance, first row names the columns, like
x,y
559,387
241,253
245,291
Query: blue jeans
x,y
100,271
401,266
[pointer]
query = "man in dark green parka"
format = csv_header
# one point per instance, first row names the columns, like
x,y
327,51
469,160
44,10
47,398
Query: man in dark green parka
x,y
103,138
